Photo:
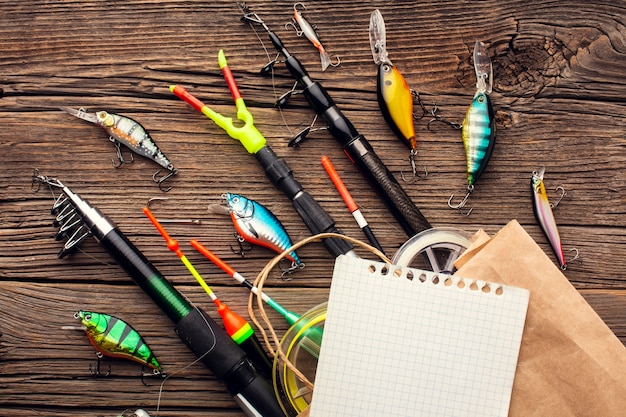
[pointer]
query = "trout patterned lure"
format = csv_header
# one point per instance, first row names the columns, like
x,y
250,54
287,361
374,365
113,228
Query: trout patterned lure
x,y
123,130
256,224
545,217
115,338
395,98
478,128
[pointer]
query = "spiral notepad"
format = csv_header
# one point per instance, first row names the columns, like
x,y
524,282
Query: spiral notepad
x,y
400,342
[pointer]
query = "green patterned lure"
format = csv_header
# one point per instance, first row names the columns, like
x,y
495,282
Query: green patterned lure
x,y
478,128
115,338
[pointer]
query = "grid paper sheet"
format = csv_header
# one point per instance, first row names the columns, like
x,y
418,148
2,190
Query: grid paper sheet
x,y
400,342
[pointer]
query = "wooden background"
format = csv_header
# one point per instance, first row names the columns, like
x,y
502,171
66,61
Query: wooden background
x,y
559,96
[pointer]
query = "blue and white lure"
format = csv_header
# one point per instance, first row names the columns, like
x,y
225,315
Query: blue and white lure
x,y
478,128
258,225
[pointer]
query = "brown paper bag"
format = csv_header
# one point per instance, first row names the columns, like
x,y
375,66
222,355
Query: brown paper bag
x,y
570,362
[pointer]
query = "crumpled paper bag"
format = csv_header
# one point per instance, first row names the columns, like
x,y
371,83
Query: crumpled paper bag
x,y
570,362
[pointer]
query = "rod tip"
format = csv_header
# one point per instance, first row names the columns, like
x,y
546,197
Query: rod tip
x,y
221,59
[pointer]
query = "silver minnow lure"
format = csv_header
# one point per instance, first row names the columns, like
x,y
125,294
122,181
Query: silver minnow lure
x,y
256,224
309,32
130,133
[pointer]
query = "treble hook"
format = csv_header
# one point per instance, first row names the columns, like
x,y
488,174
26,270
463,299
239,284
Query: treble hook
x,y
470,189
97,372
438,118
412,156
292,269
418,98
240,241
172,171
120,157
562,190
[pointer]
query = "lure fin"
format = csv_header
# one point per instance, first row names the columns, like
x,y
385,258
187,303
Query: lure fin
x,y
81,114
483,68
378,38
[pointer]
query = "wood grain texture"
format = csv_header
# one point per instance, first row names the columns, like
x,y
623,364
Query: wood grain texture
x,y
558,96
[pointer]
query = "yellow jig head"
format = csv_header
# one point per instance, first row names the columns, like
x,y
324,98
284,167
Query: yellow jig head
x,y
395,98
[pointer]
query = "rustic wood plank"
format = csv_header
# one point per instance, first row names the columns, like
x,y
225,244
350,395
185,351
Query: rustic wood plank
x,y
559,100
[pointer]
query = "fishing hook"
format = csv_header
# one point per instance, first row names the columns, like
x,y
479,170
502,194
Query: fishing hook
x,y
461,205
438,118
412,155
576,256
240,241
562,190
288,271
120,157
153,199
309,31
172,171
97,371
416,96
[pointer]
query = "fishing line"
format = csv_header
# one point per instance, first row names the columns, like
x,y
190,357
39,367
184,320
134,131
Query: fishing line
x,y
168,375
274,90
259,282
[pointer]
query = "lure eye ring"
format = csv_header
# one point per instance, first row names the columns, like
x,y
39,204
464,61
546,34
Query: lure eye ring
x,y
386,68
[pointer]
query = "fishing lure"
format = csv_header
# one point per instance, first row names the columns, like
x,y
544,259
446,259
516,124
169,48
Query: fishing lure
x,y
256,224
126,131
116,338
545,217
137,413
478,128
395,98
309,32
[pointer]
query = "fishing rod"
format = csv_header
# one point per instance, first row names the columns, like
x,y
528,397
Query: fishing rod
x,y
236,326
78,219
312,338
355,145
280,174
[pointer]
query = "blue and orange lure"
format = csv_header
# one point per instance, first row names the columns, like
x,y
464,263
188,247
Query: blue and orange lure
x,y
258,225
395,98
478,128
